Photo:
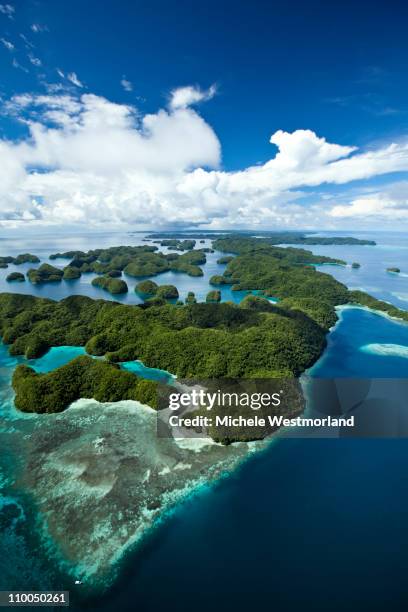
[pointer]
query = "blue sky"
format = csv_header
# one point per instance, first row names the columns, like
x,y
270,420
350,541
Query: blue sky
x,y
319,75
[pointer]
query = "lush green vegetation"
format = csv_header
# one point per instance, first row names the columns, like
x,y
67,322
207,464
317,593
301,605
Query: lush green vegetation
x,y
179,245
44,274
137,261
113,285
114,273
191,298
15,276
363,299
147,287
71,273
25,258
213,296
271,238
147,264
20,259
246,245
68,255
225,260
195,340
168,292
255,339
218,280
289,238
82,377
394,270
6,260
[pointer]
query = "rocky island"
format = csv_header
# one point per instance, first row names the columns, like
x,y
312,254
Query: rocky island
x,y
113,285
44,274
394,270
15,277
138,261
20,259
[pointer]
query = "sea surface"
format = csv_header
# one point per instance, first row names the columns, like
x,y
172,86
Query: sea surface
x,y
308,523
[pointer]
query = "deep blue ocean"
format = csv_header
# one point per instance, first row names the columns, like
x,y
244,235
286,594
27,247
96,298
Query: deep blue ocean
x,y
307,523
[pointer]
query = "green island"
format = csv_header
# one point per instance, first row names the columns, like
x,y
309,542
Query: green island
x,y
355,265
394,270
191,298
225,260
82,377
15,277
253,339
213,296
178,245
113,285
44,274
168,292
136,261
71,273
271,237
146,287
20,259
364,299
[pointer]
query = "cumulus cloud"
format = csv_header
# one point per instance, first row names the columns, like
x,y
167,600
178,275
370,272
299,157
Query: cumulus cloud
x,y
389,204
186,96
88,160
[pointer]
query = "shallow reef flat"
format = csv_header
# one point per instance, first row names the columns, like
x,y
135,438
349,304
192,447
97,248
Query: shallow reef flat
x,y
101,476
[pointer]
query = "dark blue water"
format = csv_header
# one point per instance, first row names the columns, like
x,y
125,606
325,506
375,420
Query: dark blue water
x,y
311,525
314,524
364,344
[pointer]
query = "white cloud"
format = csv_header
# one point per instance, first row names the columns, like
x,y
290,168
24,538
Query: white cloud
x,y
72,77
98,162
186,96
389,204
38,28
126,84
28,44
34,60
9,45
7,9
16,64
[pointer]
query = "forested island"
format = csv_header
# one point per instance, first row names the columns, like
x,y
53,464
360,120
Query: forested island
x,y
113,285
253,339
20,259
137,261
45,274
272,237
15,277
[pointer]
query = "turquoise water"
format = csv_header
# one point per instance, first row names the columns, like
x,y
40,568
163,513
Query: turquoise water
x,y
309,523
364,344
138,368
58,356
